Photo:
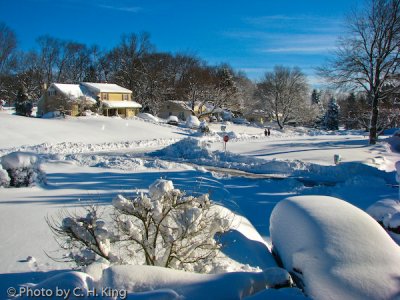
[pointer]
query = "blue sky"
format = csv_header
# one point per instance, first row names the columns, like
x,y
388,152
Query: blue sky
x,y
251,36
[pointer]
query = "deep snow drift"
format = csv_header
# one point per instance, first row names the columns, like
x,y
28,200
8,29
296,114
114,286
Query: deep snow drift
x,y
335,250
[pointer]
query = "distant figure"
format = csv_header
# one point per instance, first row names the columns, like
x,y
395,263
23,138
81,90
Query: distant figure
x,y
267,132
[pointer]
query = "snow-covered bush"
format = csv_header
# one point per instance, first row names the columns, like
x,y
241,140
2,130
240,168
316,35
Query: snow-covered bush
x,y
170,229
22,168
162,228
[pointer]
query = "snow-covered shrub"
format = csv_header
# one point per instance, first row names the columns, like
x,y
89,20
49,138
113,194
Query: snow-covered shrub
x,y
83,237
22,168
162,228
170,229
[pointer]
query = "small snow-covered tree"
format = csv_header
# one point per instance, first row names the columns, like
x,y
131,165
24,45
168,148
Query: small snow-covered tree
x,y
162,228
169,228
331,118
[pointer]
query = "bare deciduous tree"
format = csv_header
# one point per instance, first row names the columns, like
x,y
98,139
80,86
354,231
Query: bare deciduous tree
x,y
283,93
8,44
368,58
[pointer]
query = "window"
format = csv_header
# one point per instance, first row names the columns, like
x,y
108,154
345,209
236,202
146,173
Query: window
x,y
125,97
104,96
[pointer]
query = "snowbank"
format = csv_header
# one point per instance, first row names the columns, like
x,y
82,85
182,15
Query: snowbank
x,y
148,117
334,250
197,151
149,282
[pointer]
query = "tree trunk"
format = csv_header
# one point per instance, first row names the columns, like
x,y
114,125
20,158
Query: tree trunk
x,y
373,130
279,122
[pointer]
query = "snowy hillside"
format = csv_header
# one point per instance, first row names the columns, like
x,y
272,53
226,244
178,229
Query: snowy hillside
x,y
92,159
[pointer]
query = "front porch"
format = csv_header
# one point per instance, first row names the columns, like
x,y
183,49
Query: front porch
x,y
125,109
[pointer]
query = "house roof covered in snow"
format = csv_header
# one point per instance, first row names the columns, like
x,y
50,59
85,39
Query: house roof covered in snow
x,y
105,87
121,104
181,104
73,91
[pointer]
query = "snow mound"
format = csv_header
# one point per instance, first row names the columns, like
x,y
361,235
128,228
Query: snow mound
x,y
192,122
76,283
22,169
334,250
186,149
148,117
234,285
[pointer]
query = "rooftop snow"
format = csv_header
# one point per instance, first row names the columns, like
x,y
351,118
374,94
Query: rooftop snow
x,y
106,87
74,91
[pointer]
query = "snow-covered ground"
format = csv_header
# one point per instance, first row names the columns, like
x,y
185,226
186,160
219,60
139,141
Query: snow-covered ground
x,y
92,159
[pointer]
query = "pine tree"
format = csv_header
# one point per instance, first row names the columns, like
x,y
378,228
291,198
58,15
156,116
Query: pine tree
x,y
21,102
315,97
331,118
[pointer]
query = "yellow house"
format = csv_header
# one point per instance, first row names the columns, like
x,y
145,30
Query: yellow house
x,y
114,99
73,99
68,98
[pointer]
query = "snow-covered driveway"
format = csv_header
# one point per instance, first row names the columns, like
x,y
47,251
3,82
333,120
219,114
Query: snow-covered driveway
x,y
315,149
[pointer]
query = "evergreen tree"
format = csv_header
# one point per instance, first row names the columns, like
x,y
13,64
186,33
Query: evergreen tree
x,y
331,118
315,97
22,106
316,104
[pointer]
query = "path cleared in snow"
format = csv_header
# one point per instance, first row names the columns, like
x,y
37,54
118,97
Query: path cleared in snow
x,y
314,149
